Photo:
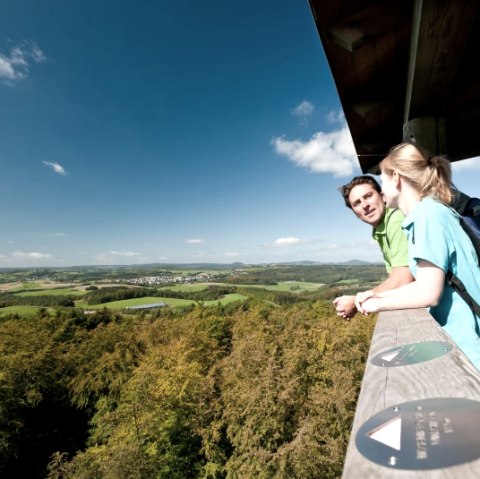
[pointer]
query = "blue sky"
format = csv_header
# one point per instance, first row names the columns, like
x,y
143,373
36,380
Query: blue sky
x,y
173,131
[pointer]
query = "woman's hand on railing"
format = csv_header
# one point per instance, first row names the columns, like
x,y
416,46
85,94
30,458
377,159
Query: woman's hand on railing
x,y
367,302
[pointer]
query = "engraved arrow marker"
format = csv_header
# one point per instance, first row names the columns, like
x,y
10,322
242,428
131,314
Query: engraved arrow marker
x,y
389,433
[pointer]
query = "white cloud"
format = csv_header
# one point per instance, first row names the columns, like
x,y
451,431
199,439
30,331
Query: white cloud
x,y
126,254
61,235
33,255
15,66
194,241
56,167
303,110
472,164
332,152
231,254
115,256
287,241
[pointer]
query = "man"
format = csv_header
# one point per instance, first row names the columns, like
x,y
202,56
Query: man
x,y
364,196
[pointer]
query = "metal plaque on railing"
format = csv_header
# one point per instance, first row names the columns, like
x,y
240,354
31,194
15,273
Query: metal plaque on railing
x,y
411,354
424,434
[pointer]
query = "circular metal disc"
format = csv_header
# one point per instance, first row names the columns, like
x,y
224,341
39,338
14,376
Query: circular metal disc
x,y
411,354
423,434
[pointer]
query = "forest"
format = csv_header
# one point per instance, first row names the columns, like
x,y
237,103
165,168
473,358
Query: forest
x,y
260,388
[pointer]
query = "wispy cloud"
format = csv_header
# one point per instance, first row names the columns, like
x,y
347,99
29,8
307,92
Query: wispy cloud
x,y
56,167
125,254
286,241
60,235
466,165
33,255
303,110
231,254
15,66
331,152
194,241
336,117
115,256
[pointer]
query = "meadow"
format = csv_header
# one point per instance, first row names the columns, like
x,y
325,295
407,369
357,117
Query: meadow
x,y
171,302
37,289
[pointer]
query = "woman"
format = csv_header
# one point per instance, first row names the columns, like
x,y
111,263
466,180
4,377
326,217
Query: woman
x,y
419,185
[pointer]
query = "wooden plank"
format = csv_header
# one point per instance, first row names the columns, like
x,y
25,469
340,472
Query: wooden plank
x,y
450,375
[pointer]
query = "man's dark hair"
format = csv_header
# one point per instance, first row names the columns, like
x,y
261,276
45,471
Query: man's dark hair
x,y
358,180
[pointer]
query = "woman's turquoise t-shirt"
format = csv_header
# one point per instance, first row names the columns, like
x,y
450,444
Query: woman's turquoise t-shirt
x,y
434,234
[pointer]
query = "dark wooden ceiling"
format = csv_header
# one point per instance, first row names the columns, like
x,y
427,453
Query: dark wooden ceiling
x,y
394,61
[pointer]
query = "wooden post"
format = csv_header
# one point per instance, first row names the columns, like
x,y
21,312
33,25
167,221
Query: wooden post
x,y
428,132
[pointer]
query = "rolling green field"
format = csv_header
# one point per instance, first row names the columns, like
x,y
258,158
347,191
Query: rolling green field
x,y
227,299
172,302
347,281
26,285
291,286
190,287
28,290
119,305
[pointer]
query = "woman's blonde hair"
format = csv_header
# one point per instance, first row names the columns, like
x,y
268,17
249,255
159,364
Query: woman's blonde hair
x,y
429,175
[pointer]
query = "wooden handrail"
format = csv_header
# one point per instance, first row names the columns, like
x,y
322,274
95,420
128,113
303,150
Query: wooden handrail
x,y
449,376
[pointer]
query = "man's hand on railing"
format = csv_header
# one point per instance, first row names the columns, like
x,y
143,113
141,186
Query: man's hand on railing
x,y
345,306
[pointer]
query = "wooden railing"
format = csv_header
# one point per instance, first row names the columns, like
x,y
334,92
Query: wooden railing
x,y
450,375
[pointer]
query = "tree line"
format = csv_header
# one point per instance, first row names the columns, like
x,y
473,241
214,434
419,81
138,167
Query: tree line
x,y
9,299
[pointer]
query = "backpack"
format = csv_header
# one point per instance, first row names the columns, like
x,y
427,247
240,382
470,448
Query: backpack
x,y
469,210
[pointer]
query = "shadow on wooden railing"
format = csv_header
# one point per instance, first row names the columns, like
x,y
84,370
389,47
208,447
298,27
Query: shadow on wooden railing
x,y
399,418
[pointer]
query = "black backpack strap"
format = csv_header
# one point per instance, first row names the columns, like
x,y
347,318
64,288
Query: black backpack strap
x,y
472,207
459,287
460,201
471,232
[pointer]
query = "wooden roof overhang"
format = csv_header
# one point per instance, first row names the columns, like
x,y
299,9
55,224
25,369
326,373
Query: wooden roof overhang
x,y
405,70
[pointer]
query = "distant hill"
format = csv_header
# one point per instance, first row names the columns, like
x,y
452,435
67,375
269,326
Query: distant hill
x,y
190,266
351,262
359,262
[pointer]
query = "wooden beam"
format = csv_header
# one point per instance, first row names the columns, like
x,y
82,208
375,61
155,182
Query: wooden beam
x,y
365,108
355,30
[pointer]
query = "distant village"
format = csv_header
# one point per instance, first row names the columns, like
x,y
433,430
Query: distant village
x,y
174,278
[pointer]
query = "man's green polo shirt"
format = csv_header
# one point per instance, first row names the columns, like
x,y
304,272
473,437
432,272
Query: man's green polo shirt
x,y
392,239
